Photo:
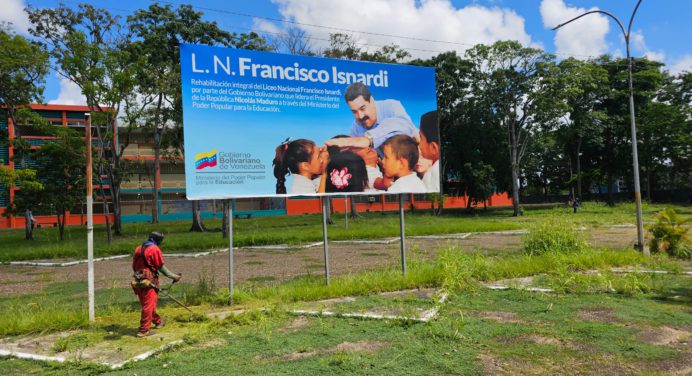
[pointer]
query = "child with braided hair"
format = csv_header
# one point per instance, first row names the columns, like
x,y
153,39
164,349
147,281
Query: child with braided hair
x,y
305,161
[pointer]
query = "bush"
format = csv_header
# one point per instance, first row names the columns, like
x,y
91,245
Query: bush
x,y
553,236
669,234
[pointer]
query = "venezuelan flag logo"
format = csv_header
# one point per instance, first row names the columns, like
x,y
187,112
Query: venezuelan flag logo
x,y
204,160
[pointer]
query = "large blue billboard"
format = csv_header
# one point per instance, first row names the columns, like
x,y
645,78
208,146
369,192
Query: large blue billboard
x,y
268,124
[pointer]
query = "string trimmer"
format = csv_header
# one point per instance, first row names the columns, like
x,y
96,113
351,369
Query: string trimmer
x,y
164,291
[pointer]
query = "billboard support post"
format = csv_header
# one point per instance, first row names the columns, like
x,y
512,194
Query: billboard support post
x,y
324,233
346,210
230,251
403,236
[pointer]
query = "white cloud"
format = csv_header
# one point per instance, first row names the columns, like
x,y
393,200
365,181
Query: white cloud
x,y
585,37
13,11
655,56
265,26
682,64
638,44
429,20
69,94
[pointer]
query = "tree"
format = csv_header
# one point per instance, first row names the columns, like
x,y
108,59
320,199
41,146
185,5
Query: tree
x,y
60,169
665,133
23,67
90,50
616,154
157,31
295,41
27,179
585,86
479,181
515,86
344,46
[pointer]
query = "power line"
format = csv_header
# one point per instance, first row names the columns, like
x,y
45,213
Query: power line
x,y
241,14
225,11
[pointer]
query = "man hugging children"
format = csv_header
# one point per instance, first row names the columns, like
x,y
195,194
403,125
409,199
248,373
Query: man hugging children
x,y
339,168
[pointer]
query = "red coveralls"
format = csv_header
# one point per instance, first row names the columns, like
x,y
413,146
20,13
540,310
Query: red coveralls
x,y
148,296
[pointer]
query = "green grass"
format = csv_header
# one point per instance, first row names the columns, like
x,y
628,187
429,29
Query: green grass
x,y
301,230
255,343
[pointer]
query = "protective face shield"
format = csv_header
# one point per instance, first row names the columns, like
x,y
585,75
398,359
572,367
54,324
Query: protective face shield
x,y
156,237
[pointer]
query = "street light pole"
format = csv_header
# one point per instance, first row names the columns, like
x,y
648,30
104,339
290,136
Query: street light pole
x,y
635,158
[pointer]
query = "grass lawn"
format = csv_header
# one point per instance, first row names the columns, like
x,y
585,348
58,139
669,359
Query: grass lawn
x,y
478,330
301,230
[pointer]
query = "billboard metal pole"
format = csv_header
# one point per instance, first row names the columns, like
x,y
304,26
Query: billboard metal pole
x,y
346,210
401,231
90,221
230,251
324,232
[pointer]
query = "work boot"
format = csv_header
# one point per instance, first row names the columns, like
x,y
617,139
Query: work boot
x,y
161,324
145,334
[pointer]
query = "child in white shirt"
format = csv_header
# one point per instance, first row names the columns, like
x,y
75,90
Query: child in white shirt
x,y
306,163
400,157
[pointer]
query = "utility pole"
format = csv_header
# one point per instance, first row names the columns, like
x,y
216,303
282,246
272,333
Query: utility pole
x,y
635,158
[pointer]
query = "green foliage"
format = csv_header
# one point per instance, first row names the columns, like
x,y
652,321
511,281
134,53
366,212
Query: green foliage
x,y
553,236
345,46
23,67
669,234
479,179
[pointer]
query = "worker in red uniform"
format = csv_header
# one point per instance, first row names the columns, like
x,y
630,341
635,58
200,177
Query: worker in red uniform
x,y
147,263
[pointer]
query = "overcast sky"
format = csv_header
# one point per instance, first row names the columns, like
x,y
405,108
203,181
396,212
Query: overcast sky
x,y
661,29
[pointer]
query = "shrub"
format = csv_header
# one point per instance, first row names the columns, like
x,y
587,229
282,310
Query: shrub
x,y
553,236
669,234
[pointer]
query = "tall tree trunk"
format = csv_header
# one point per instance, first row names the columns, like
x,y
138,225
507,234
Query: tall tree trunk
x,y
197,225
225,219
157,160
609,182
440,203
106,211
330,211
117,210
61,224
354,208
648,185
514,161
579,168
155,187
28,225
515,191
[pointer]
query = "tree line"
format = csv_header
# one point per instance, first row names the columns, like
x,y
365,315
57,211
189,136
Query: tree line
x,y
513,118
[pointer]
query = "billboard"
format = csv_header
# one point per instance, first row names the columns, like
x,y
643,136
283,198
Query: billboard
x,y
267,124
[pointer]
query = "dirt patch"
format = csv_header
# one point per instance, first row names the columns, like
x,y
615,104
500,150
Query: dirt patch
x,y
493,365
597,314
501,316
296,324
348,347
361,346
663,336
531,338
680,365
280,264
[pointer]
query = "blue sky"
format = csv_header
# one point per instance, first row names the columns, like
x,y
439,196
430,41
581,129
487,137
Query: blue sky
x,y
427,27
